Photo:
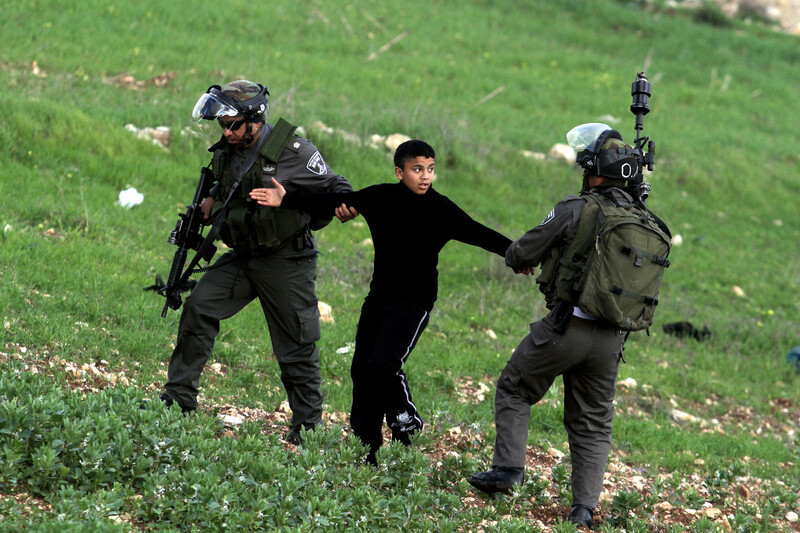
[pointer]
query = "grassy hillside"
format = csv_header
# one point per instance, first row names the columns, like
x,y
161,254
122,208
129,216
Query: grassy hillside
x,y
81,342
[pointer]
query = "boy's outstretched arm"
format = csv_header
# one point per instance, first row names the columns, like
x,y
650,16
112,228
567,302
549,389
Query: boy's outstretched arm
x,y
274,198
269,197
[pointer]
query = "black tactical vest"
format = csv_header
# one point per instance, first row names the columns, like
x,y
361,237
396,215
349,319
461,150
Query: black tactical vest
x,y
249,226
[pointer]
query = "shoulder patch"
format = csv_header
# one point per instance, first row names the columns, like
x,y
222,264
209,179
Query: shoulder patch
x,y
317,165
550,216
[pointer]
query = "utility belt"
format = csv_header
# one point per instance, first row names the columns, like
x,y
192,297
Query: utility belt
x,y
302,240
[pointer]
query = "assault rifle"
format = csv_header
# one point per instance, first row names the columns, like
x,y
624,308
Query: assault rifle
x,y
187,235
641,89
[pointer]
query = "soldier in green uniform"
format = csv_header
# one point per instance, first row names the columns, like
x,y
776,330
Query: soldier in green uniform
x,y
569,342
273,255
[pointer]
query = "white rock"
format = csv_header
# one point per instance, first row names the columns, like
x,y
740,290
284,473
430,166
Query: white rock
x,y
562,152
677,240
534,155
608,119
394,140
558,454
680,416
377,141
321,126
325,313
160,135
230,420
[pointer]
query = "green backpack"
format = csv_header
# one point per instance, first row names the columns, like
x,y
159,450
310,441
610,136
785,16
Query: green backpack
x,y
613,267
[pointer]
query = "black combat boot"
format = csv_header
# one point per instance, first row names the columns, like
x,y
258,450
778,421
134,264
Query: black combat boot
x,y
295,437
581,515
167,400
498,479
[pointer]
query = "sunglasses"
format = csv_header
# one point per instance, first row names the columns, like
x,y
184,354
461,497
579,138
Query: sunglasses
x,y
232,125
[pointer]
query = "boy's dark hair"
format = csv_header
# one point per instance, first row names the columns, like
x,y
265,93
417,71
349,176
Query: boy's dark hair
x,y
412,149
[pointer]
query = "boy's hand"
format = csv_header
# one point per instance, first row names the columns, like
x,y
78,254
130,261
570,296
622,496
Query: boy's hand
x,y
345,213
525,271
269,197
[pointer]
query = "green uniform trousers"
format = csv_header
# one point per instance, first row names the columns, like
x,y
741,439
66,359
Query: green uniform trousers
x,y
587,355
284,283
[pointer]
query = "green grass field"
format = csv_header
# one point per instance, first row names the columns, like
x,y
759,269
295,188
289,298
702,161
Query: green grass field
x,y
483,81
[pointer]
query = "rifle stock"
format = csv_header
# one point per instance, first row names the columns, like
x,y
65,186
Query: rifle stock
x,y
187,235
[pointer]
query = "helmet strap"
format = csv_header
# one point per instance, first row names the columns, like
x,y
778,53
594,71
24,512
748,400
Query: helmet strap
x,y
248,133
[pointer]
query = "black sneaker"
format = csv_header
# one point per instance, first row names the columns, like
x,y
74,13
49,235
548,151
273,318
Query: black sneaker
x,y
581,515
498,479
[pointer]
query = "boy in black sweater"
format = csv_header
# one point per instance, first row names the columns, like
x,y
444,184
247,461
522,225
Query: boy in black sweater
x,y
410,223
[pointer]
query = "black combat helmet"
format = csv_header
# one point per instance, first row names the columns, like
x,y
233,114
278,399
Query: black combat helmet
x,y
239,98
602,152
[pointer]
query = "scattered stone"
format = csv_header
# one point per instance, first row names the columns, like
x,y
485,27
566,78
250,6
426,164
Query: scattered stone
x,y
682,417
664,506
130,82
160,136
325,313
562,152
394,140
231,420
539,156
555,453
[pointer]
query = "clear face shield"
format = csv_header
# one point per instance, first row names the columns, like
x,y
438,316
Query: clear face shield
x,y
208,110
584,137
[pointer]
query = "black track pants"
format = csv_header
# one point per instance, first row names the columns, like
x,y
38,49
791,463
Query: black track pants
x,y
385,337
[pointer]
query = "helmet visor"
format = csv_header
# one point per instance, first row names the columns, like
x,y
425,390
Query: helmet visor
x,y
209,107
585,136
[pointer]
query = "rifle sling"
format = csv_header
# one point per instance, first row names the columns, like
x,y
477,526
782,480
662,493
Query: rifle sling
x,y
209,238
277,140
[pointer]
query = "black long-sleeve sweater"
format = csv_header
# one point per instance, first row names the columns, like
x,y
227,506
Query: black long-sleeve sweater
x,y
408,231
